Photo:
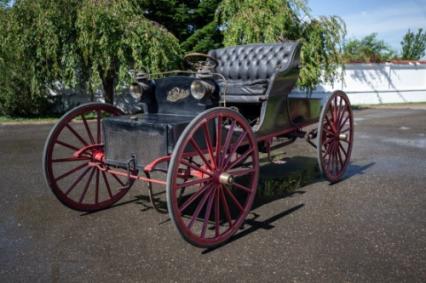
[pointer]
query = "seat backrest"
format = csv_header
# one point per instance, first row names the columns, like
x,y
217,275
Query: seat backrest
x,y
256,61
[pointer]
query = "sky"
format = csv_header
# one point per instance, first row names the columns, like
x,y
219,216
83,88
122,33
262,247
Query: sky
x,y
390,19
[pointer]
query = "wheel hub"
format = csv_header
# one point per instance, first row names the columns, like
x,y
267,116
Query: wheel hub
x,y
226,179
343,137
98,155
95,151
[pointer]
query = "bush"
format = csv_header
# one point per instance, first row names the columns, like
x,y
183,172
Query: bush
x,y
20,94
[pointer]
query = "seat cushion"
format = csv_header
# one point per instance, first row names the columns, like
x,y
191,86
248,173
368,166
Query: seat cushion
x,y
256,61
244,87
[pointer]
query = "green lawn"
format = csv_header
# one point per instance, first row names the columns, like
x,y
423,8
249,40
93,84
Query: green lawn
x,y
35,120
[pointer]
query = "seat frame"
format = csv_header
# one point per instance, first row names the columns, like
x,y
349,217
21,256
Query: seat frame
x,y
282,74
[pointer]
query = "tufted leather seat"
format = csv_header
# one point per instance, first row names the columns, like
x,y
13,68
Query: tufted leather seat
x,y
248,69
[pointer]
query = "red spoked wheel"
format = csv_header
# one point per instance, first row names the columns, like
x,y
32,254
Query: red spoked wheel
x,y
335,136
212,177
73,160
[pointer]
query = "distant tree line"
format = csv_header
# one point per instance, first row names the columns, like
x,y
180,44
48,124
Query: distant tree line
x,y
89,45
370,49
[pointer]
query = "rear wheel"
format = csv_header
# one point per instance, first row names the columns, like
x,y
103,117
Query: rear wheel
x,y
212,177
73,160
335,136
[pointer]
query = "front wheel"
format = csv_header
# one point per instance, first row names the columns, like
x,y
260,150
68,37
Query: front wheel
x,y
335,136
212,177
73,160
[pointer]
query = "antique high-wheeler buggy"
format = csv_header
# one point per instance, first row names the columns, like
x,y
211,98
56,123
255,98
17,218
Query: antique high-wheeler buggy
x,y
200,132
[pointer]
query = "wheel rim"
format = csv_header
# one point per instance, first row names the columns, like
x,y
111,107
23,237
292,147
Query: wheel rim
x,y
336,137
74,160
221,183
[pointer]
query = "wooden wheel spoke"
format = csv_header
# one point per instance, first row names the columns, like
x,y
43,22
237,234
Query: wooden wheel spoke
x,y
77,135
98,123
343,150
194,182
107,184
328,149
118,179
86,187
342,113
344,122
335,162
200,153
226,207
327,161
217,212
330,124
345,130
234,148
89,133
339,111
79,178
234,199
196,168
67,145
328,141
241,187
218,137
71,171
339,154
241,172
199,207
329,132
97,187
193,197
207,213
227,141
207,140
334,109
240,159
331,156
336,159
70,159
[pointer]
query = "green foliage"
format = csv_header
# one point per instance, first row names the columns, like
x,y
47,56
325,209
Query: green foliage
x,y
192,22
367,50
251,21
413,45
322,40
202,40
113,37
85,44
32,40
78,43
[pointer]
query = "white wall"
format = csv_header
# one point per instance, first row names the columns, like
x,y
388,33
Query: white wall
x,y
379,83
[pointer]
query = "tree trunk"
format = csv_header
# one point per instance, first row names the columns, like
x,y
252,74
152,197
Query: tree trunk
x,y
108,86
91,93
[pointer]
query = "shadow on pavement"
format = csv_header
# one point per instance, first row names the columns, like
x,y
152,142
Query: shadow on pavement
x,y
256,225
354,169
278,180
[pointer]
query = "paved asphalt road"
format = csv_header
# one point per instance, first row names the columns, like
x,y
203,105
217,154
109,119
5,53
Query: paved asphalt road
x,y
371,227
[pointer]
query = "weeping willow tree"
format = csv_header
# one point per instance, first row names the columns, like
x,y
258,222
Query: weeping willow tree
x,y
85,44
254,21
114,36
32,41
